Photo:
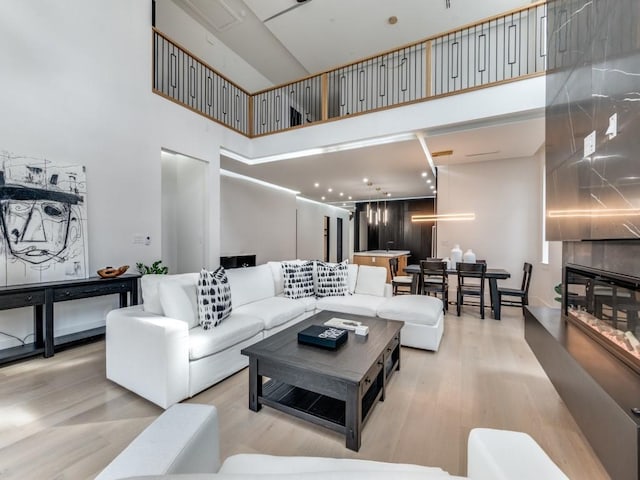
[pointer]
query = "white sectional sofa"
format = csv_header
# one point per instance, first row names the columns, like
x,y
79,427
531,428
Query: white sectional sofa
x,y
159,351
183,443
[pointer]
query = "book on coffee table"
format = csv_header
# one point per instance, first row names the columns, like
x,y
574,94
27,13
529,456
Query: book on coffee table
x,y
343,323
324,337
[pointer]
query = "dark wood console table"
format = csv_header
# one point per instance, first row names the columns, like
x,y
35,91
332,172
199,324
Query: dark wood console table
x,y
42,296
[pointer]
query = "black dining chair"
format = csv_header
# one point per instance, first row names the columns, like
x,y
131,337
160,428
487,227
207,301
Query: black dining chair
x,y
520,297
470,271
401,284
435,280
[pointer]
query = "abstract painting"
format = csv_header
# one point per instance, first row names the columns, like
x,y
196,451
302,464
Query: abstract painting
x,y
43,220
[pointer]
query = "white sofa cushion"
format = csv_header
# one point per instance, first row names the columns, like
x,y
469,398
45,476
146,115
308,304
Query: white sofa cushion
x,y
355,304
149,285
214,297
419,309
352,278
371,280
177,295
273,311
250,284
278,277
233,330
272,465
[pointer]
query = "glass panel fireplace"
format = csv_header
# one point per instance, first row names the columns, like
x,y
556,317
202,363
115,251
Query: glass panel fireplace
x,y
605,306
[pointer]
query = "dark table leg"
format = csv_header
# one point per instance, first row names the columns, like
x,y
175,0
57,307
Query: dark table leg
x,y
123,299
255,385
495,298
38,332
353,418
134,291
48,323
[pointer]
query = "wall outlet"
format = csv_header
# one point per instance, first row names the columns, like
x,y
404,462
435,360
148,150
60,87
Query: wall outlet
x,y
590,144
612,130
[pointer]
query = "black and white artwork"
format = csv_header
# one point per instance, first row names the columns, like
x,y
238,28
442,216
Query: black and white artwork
x,y
43,220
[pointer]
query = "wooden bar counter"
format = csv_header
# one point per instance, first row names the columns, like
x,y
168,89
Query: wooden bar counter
x,y
380,258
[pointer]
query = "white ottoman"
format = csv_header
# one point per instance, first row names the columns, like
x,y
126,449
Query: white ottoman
x,y
422,316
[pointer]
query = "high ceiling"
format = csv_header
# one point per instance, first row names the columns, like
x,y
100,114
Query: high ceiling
x,y
286,40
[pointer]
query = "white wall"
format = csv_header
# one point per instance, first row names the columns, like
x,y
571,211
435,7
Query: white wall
x,y
504,196
274,224
256,219
310,236
77,88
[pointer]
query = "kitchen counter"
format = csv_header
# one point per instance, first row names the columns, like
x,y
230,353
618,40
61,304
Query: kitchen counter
x,y
380,258
383,253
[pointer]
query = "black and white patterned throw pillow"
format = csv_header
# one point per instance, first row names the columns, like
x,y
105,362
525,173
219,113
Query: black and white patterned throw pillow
x,y
214,298
298,279
332,279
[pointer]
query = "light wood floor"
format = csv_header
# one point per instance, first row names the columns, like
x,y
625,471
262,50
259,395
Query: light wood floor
x,y
61,419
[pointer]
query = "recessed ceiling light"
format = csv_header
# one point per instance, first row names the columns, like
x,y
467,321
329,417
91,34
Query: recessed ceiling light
x,y
432,187
316,184
435,191
329,190
424,174
322,198
341,194
388,194
429,181
365,180
350,197
344,204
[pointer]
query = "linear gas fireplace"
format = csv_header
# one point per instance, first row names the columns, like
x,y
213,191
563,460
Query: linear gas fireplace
x,y
605,306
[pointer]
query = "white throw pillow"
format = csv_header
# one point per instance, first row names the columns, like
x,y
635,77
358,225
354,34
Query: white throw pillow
x,y
179,300
332,279
214,298
371,280
298,279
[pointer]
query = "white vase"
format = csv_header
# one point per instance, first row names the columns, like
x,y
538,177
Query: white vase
x,y
456,255
469,256
447,260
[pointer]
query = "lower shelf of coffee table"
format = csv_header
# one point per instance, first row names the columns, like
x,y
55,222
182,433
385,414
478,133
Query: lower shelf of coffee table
x,y
314,407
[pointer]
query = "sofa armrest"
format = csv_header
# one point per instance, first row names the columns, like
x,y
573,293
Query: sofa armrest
x,y
388,290
148,354
506,455
183,440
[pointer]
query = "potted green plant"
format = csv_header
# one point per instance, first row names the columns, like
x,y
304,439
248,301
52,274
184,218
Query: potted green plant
x,y
155,268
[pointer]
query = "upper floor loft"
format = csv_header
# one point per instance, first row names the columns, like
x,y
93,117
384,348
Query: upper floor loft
x,y
499,50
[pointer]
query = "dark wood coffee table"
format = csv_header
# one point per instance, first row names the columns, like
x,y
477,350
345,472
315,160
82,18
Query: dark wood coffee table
x,y
335,389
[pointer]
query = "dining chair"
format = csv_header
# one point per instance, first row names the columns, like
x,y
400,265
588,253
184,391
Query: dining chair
x,y
435,280
520,297
401,284
473,271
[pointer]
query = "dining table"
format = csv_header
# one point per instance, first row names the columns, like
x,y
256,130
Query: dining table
x,y
492,275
